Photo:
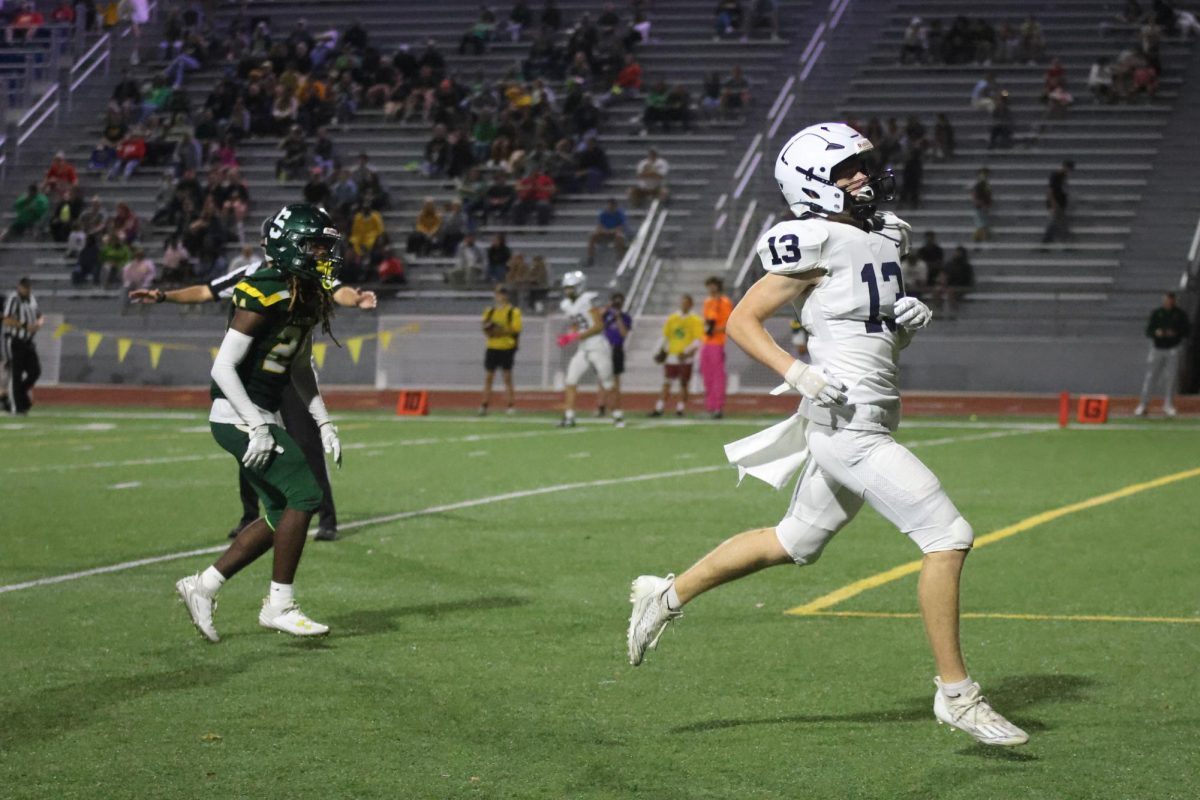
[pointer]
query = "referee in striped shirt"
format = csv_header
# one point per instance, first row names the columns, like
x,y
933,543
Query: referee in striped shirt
x,y
22,320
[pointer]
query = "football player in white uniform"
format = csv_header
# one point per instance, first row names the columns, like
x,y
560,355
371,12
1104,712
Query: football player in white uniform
x,y
840,260
584,311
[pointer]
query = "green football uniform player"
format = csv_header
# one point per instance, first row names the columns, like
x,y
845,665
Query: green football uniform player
x,y
267,347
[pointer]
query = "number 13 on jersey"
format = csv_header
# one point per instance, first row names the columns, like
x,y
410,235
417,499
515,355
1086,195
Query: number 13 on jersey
x,y
889,270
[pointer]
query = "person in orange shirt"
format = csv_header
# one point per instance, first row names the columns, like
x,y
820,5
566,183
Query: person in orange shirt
x,y
717,308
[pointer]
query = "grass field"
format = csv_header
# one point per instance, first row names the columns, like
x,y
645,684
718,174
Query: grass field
x,y
478,602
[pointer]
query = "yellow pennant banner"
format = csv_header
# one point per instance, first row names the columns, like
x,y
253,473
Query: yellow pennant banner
x,y
212,351
155,353
93,341
355,347
123,349
319,353
62,329
385,339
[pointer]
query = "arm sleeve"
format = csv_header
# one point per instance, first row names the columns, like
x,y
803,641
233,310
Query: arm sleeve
x,y
304,378
233,352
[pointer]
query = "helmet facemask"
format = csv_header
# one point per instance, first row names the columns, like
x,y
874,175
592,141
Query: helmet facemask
x,y
861,197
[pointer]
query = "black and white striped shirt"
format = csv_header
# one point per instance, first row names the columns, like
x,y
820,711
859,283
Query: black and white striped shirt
x,y
23,310
222,287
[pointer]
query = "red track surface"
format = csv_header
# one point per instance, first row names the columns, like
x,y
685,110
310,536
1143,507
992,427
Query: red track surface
x,y
915,403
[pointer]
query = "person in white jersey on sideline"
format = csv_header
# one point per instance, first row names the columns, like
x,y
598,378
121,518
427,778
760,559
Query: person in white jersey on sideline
x,y
584,311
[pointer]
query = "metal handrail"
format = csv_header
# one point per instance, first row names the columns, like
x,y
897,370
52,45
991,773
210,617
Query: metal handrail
x,y
741,234
645,298
646,253
635,247
740,280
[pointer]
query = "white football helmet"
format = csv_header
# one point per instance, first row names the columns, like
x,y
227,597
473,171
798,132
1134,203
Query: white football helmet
x,y
574,281
805,168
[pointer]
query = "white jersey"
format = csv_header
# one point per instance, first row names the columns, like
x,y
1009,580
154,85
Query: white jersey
x,y
579,315
849,312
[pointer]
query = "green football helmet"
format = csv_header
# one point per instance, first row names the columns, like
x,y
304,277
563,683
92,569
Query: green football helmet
x,y
293,240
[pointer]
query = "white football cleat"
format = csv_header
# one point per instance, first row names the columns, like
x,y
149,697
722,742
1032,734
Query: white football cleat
x,y
289,619
1140,411
1169,411
200,606
970,712
650,614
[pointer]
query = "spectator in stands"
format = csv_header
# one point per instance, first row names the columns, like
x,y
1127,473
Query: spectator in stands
x,y
454,227
498,255
60,174
87,263
368,179
516,272
245,257
469,262
934,257
912,273
537,283
225,154
592,169
472,190
343,193
125,224
188,154
368,237
114,255
1001,135
650,182
912,175
139,273
103,156
437,153
710,95
66,213
1168,330
914,48
678,108
64,12
29,212
24,24
983,95
956,279
1057,199
519,19
316,191
294,160
629,79
654,112
735,93
943,138
729,17
424,235
325,153
561,165
765,14
1100,80
1033,43
176,260
130,153
479,35
391,268
611,226
535,194
499,198
981,201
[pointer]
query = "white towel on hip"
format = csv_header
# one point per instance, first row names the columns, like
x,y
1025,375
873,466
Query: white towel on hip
x,y
773,455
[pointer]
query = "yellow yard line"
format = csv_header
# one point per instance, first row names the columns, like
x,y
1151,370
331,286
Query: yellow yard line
x,y
1022,617
894,574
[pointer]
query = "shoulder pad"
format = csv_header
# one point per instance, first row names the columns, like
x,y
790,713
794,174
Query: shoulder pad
x,y
794,247
260,292
591,299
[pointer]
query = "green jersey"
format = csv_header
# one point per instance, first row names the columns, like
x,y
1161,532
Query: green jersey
x,y
266,370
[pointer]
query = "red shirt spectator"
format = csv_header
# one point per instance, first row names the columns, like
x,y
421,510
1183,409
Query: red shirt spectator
x,y
132,148
28,19
538,187
630,76
63,12
61,173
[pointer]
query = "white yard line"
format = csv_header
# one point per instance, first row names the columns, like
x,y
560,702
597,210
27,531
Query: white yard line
x,y
362,523
441,509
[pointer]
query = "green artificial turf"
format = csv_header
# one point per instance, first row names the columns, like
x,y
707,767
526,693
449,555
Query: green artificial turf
x,y
477,645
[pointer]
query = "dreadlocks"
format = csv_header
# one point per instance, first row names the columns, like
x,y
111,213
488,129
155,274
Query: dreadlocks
x,y
310,296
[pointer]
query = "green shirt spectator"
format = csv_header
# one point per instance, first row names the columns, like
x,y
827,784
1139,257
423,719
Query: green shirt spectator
x,y
29,209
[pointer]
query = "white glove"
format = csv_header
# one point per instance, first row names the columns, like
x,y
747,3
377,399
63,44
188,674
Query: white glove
x,y
331,443
911,313
814,383
258,452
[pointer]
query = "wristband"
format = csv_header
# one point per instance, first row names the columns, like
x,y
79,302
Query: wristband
x,y
160,296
